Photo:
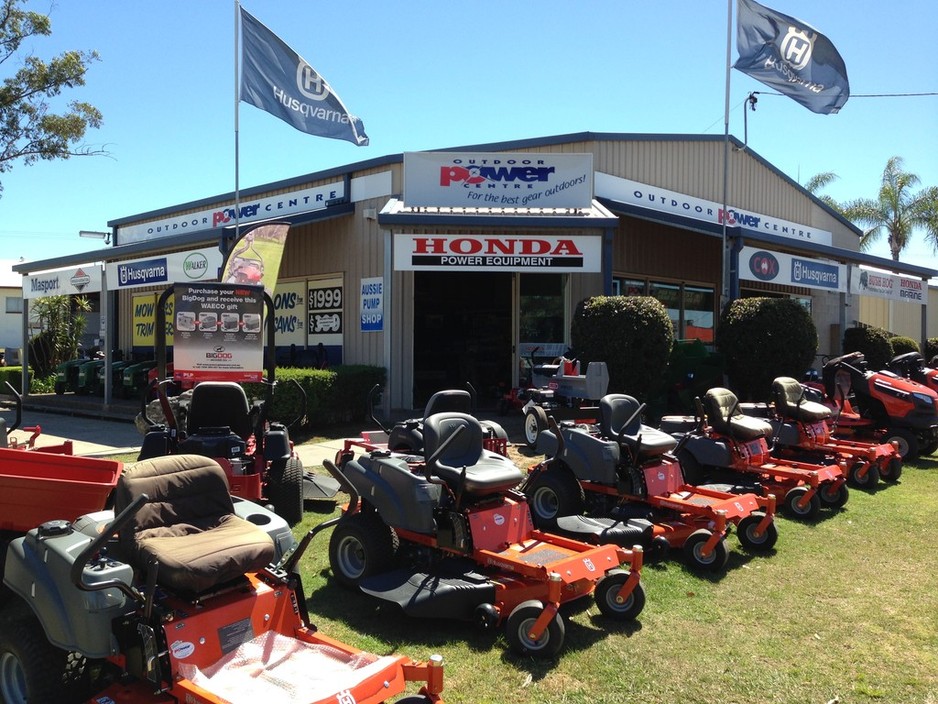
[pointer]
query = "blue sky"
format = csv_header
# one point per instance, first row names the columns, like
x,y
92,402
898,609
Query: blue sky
x,y
429,75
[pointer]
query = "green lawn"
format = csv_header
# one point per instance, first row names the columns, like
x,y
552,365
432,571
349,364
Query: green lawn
x,y
845,609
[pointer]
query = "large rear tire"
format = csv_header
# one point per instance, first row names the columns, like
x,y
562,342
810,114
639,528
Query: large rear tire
x,y
553,494
909,446
31,668
285,489
361,545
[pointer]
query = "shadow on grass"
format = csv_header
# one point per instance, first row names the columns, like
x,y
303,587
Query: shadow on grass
x,y
386,622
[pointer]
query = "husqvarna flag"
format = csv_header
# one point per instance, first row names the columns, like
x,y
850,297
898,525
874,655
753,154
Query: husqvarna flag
x,y
790,56
277,79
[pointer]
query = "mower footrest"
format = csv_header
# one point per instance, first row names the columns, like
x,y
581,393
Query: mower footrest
x,y
604,531
319,486
444,593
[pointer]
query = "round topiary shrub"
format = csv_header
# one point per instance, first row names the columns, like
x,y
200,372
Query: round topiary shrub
x,y
873,342
631,334
931,349
765,338
902,345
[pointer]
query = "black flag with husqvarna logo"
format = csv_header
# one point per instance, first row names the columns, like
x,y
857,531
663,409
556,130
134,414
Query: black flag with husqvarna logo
x,y
790,56
278,80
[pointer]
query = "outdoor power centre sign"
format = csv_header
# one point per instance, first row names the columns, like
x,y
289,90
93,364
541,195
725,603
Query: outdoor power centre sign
x,y
497,180
523,253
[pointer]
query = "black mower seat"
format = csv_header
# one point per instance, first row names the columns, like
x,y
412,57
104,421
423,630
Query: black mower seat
x,y
791,404
725,417
188,524
600,531
219,404
615,410
485,472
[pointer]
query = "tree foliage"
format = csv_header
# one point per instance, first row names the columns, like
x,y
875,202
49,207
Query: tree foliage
x,y
897,210
764,338
631,334
31,127
61,324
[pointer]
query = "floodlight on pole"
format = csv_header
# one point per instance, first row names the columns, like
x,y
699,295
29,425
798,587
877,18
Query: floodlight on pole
x,y
93,234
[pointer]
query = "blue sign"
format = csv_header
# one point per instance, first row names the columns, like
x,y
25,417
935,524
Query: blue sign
x,y
806,272
142,273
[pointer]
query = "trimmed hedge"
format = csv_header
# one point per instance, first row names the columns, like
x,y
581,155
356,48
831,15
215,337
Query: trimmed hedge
x,y
931,349
15,376
335,395
764,338
633,335
902,345
873,342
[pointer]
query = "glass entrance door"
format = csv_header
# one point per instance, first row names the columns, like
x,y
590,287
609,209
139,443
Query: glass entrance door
x,y
542,323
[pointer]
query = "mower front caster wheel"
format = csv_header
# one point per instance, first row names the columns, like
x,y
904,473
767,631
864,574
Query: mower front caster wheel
x,y
746,531
892,470
518,627
863,480
609,603
715,561
832,497
794,507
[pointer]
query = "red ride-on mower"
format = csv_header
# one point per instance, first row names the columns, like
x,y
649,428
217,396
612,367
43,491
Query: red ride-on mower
x,y
177,599
729,451
449,536
879,406
32,431
912,366
630,486
801,433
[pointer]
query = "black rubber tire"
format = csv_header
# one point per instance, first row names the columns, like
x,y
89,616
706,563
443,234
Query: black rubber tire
x,y
834,498
535,420
691,468
893,470
809,512
909,446
360,546
521,619
745,531
867,481
59,388
928,448
605,595
714,562
31,668
285,489
554,493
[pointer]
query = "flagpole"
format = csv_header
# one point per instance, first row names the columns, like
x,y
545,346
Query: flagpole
x,y
237,175
725,294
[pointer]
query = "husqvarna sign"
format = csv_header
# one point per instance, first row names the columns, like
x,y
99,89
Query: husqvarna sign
x,y
497,180
791,270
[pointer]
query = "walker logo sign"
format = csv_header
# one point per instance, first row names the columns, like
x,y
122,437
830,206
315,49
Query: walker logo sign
x,y
866,282
789,270
641,195
197,265
522,253
85,279
498,180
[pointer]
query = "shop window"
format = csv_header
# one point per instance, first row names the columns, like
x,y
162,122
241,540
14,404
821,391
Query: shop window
x,y
698,313
670,296
14,305
627,287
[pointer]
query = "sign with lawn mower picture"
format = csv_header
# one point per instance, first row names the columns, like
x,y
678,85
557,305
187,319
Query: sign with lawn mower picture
x,y
218,332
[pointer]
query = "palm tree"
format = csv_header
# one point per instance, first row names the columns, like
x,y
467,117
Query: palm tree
x,y
818,182
898,210
929,216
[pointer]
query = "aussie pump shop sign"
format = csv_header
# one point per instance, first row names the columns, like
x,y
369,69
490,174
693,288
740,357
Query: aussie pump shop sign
x,y
497,180
558,254
790,270
80,280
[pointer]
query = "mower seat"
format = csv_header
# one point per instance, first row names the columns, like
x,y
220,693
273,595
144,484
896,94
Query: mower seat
x,y
188,524
645,442
722,409
464,464
219,404
790,402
